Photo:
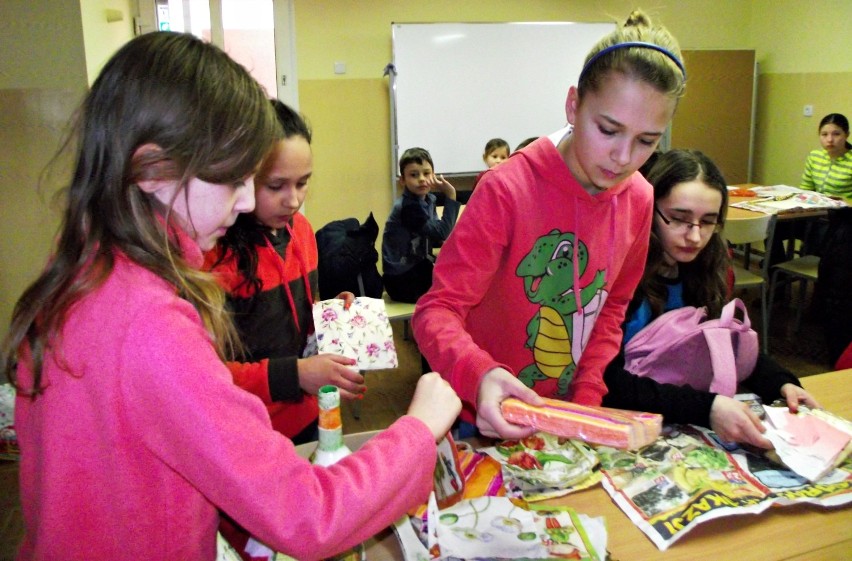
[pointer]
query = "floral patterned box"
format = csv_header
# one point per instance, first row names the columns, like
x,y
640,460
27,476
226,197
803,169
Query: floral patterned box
x,y
362,332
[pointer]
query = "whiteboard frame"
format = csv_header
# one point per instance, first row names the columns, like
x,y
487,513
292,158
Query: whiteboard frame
x,y
585,35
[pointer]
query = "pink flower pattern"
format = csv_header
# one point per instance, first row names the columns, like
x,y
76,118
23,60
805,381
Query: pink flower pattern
x,y
362,332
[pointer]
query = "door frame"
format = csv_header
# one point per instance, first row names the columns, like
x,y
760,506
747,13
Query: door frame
x,y
284,14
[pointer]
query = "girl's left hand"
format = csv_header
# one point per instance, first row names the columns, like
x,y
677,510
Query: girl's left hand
x,y
347,298
796,395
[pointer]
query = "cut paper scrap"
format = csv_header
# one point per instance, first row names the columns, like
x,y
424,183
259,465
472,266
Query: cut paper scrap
x,y
543,466
596,425
488,527
482,474
362,332
807,443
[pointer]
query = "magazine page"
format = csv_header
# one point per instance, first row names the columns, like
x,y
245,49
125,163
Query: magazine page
x,y
689,477
683,479
784,198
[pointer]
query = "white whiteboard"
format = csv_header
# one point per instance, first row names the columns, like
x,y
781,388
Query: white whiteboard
x,y
457,85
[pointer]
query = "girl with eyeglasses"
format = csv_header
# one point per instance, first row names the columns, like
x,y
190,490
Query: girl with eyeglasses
x,y
688,264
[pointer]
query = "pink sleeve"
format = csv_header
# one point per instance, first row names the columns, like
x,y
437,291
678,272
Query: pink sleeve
x,y
184,407
467,264
588,387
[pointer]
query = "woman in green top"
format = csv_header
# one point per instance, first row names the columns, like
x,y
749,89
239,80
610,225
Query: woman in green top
x,y
829,169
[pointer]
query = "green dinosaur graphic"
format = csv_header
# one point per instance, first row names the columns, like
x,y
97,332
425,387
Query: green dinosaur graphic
x,y
548,273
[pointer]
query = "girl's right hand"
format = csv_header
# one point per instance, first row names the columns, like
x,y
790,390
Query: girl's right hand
x,y
435,403
496,385
734,421
329,369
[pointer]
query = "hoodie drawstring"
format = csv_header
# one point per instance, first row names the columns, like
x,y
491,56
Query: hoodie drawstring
x,y
613,212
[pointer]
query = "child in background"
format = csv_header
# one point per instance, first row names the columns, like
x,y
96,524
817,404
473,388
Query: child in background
x,y
496,152
531,288
829,169
267,263
687,265
132,432
413,227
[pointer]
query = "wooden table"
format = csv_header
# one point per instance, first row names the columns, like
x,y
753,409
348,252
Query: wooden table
x,y
791,533
735,213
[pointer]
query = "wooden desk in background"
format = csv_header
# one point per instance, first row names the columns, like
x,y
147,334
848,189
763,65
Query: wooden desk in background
x,y
735,213
789,533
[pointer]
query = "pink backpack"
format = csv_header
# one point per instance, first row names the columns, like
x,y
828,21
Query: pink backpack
x,y
683,347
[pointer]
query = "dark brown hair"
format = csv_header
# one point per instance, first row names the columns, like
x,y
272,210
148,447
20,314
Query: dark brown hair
x,y
704,278
247,233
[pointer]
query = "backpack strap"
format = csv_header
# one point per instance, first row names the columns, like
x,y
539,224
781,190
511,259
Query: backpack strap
x,y
726,318
722,358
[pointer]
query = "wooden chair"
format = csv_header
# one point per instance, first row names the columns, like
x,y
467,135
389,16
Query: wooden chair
x,y
742,233
801,270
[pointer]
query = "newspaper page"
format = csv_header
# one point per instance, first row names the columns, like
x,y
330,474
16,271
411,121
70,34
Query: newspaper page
x,y
688,477
784,198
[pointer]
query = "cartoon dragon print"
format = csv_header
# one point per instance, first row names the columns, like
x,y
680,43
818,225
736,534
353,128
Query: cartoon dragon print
x,y
548,275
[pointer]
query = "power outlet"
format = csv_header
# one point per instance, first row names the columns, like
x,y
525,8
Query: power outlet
x,y
808,111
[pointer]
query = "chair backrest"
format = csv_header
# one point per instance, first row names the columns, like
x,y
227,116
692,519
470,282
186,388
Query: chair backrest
x,y
748,230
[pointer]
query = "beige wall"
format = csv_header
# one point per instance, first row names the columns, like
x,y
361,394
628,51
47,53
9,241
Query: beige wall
x,y
101,36
802,49
805,57
45,49
42,74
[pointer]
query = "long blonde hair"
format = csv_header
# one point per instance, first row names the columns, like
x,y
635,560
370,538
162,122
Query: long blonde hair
x,y
207,117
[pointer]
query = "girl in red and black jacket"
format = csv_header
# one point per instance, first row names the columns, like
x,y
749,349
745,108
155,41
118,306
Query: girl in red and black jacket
x,y
267,263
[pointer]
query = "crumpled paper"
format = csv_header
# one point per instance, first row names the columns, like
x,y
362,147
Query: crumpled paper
x,y
811,443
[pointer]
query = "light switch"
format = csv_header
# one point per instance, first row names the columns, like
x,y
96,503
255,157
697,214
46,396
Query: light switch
x,y
340,68
809,111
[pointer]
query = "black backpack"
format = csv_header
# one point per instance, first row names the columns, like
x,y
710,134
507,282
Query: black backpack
x,y
832,292
348,257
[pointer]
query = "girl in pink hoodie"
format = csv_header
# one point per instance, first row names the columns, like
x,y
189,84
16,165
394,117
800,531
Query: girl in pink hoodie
x,y
132,432
531,288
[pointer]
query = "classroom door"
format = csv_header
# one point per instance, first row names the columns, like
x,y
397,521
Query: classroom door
x,y
259,34
716,115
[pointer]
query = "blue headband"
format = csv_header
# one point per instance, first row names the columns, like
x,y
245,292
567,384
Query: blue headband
x,y
628,44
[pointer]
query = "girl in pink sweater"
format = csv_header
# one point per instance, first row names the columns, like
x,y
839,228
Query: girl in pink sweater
x,y
531,288
133,435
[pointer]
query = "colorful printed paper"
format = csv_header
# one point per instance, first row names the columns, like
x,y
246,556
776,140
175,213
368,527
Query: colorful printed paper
x,y
784,198
543,466
362,332
686,478
491,528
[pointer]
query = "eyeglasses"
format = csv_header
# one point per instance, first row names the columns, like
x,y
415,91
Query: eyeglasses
x,y
683,226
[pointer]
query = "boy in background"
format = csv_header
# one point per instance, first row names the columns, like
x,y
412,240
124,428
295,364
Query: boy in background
x,y
414,228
